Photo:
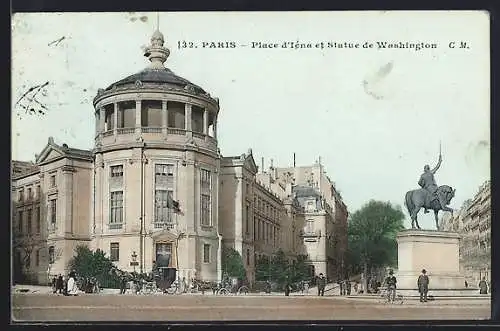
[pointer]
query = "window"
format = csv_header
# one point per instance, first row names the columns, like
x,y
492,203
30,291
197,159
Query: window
x,y
206,253
248,257
116,214
21,196
166,170
53,211
30,193
51,254
38,220
29,214
117,171
37,258
205,197
310,226
163,212
20,221
38,191
53,181
114,252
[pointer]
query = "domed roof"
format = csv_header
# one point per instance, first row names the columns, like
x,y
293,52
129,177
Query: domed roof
x,y
157,73
158,76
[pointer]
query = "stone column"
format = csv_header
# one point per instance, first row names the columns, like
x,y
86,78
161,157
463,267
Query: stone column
x,y
164,117
67,173
102,119
187,116
215,127
205,121
238,215
97,123
115,118
138,115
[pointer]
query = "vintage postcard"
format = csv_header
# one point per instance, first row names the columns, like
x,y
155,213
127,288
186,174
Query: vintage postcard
x,y
256,166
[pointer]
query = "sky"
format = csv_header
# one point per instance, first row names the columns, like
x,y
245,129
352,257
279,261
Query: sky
x,y
374,115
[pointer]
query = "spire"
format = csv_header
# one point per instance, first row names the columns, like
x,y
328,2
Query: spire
x,y
156,53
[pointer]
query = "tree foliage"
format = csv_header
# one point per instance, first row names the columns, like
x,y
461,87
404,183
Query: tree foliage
x,y
277,269
372,235
87,263
232,263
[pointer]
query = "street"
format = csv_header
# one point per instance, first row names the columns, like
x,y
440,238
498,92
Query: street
x,y
43,307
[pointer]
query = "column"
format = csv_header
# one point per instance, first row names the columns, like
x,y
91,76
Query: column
x,y
138,116
97,122
215,127
67,173
115,118
164,117
187,117
102,119
238,213
205,121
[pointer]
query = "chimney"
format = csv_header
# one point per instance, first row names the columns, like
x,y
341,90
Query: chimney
x,y
262,165
294,160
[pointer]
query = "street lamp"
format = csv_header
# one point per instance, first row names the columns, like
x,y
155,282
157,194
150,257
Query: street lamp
x,y
134,260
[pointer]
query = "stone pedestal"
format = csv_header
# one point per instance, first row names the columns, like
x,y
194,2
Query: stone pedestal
x,y
436,252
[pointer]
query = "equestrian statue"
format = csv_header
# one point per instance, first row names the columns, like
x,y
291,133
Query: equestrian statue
x,y
429,196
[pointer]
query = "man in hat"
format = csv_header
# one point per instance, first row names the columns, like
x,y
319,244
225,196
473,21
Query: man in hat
x,y
321,285
423,285
391,281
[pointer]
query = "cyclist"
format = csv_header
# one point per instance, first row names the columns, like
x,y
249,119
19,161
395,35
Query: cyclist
x,y
391,281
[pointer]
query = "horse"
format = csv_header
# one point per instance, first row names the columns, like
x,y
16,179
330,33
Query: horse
x,y
416,199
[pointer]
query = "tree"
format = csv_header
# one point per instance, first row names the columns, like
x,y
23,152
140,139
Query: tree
x,y
300,269
25,244
90,264
372,234
232,263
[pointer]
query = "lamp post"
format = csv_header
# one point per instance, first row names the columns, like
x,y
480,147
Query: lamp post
x,y
134,260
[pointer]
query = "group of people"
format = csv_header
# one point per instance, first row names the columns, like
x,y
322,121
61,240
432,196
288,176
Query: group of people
x,y
422,285
65,285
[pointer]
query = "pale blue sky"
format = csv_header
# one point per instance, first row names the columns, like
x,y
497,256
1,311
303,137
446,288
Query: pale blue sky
x,y
280,101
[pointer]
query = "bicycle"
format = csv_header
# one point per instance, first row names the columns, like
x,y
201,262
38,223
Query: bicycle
x,y
386,299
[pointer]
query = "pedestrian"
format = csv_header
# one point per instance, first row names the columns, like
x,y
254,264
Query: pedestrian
x,y
321,285
348,285
60,284
123,284
341,287
391,282
306,287
287,288
356,287
72,288
483,286
54,285
423,285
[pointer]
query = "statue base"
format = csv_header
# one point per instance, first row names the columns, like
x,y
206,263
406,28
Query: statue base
x,y
435,251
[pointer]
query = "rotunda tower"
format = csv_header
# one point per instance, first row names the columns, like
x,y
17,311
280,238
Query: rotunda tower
x,y
157,172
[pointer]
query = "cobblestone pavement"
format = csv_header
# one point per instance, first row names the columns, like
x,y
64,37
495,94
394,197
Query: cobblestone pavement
x,y
41,307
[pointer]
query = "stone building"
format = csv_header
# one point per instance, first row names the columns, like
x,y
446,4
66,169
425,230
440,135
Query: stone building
x,y
473,223
156,191
51,209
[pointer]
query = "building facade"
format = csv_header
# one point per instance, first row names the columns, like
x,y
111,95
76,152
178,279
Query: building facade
x,y
473,222
156,191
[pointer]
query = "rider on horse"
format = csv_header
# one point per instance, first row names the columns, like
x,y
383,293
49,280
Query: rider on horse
x,y
428,182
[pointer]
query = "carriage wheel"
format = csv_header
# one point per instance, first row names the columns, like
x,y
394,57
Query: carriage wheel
x,y
223,291
243,290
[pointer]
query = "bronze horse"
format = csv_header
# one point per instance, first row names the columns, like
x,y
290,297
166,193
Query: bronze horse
x,y
416,199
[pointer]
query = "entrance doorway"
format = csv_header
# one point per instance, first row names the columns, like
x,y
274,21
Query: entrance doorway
x,y
166,273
